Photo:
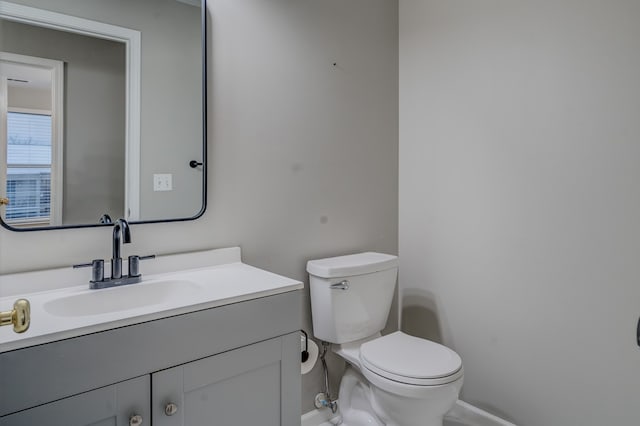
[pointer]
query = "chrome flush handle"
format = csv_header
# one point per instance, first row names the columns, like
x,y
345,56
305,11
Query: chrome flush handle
x,y
342,285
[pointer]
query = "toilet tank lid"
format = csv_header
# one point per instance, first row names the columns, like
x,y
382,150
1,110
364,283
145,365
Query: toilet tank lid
x,y
352,264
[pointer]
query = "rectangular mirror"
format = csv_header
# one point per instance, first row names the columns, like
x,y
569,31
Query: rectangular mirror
x,y
102,112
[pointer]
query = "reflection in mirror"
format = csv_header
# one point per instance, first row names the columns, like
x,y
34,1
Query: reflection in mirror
x,y
31,112
101,108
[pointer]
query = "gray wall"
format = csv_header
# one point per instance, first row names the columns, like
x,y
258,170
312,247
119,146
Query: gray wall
x,y
303,154
519,202
94,120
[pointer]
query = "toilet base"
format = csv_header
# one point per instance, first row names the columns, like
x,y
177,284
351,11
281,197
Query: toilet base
x,y
410,413
354,399
363,404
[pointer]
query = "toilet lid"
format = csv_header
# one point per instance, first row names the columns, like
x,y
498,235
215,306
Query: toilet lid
x,y
399,356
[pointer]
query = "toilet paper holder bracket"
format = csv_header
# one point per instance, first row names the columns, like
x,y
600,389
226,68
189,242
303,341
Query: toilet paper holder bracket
x,y
305,352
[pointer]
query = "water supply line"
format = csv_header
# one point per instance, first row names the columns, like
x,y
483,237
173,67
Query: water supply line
x,y
324,399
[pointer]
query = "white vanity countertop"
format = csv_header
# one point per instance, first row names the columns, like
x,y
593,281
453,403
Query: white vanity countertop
x,y
67,312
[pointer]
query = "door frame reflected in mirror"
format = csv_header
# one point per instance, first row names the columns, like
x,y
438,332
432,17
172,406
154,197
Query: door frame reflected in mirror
x,y
55,70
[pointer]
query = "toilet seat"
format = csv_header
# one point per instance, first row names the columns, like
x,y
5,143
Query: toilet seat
x,y
411,360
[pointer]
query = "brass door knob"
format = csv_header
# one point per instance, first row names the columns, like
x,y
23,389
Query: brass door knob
x,y
19,317
4,201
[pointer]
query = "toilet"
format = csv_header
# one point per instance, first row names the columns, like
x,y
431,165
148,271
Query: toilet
x,y
392,380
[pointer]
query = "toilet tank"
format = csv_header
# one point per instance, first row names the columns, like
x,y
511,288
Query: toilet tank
x,y
351,295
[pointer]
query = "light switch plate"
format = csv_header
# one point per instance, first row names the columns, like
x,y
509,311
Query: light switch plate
x,y
162,182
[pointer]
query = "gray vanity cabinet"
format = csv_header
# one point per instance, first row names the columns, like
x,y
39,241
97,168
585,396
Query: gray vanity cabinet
x,y
115,405
234,365
246,386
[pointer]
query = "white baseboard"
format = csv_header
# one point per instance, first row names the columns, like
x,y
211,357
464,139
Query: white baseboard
x,y
468,414
462,413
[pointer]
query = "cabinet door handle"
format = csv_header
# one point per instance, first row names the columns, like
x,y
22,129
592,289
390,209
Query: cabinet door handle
x,y
170,409
135,420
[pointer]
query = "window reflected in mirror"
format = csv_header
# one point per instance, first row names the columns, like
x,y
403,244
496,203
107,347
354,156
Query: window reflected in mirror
x,y
28,167
31,116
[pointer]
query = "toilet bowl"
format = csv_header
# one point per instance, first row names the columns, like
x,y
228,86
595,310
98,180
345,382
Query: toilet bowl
x,y
392,380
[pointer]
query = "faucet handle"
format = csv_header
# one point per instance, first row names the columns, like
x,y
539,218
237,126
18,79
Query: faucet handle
x,y
97,269
134,264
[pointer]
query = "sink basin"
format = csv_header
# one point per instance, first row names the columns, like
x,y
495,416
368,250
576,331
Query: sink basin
x,y
117,299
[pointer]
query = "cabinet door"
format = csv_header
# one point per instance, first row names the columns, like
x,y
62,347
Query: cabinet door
x,y
108,406
255,385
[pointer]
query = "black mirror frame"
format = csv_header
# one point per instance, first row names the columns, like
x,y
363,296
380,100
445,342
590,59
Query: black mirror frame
x,y
203,23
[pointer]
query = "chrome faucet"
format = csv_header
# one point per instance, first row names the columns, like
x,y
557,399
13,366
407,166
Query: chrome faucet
x,y
121,233
120,227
